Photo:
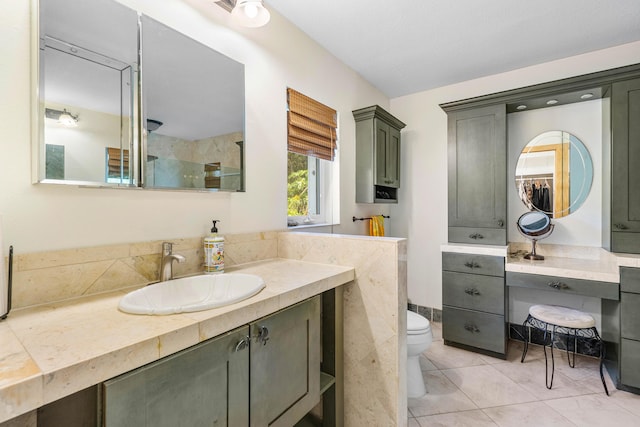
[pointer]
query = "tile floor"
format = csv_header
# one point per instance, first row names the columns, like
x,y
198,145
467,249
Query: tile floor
x,y
468,389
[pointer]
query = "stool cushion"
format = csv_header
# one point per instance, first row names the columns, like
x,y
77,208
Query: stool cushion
x,y
562,316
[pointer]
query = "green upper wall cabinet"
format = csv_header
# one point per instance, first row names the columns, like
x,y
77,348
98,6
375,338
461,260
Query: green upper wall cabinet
x,y
477,174
377,155
625,167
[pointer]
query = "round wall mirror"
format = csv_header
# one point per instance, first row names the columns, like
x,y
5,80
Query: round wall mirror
x,y
554,173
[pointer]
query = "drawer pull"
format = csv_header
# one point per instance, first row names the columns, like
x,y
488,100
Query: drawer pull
x,y
242,344
476,236
558,285
263,335
471,291
471,264
471,328
620,226
500,223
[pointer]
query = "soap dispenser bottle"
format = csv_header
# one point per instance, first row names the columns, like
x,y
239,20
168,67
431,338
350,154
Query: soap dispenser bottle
x,y
214,251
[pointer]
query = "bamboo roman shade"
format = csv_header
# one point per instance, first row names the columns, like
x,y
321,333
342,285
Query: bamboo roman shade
x,y
311,127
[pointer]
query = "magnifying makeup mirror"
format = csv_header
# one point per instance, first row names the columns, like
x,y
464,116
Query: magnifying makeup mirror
x,y
534,225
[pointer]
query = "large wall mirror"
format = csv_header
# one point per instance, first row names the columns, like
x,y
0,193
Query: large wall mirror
x,y
169,117
554,173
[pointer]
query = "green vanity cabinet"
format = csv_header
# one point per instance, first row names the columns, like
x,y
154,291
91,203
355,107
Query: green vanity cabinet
x,y
477,175
473,303
285,365
625,173
263,374
630,327
204,385
377,155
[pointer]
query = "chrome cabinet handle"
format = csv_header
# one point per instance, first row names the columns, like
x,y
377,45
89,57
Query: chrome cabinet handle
x,y
558,285
471,264
242,344
471,291
476,236
500,223
263,335
620,226
470,327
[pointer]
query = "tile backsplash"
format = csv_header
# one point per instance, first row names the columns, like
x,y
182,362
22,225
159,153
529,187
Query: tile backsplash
x,y
45,277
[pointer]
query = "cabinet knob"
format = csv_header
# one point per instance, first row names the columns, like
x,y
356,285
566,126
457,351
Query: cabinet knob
x,y
470,327
263,335
500,223
558,285
242,344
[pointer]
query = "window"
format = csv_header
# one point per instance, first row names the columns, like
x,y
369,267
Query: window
x,y
311,161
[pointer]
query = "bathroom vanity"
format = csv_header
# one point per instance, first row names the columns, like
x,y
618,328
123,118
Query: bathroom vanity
x,y
257,362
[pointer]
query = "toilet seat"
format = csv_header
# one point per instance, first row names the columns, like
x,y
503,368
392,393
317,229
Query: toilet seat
x,y
416,324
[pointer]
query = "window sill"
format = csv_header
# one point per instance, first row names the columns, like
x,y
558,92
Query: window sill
x,y
312,225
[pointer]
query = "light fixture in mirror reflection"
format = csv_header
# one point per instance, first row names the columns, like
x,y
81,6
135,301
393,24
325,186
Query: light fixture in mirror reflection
x,y
182,106
554,173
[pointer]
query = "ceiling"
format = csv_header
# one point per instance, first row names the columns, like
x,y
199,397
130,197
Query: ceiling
x,y
407,46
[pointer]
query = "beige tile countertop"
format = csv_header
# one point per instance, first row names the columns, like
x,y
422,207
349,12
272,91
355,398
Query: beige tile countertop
x,y
53,350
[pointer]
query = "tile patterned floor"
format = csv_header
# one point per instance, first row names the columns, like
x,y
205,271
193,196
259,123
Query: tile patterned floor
x,y
468,389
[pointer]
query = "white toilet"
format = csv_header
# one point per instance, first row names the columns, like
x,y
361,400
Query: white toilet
x,y
418,340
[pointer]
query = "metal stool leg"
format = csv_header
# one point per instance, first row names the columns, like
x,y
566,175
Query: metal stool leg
x,y
549,383
526,340
572,364
602,349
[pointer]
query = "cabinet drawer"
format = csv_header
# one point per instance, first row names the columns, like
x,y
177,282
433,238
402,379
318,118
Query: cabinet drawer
x,y
630,315
477,264
473,291
590,288
629,362
476,329
480,236
630,279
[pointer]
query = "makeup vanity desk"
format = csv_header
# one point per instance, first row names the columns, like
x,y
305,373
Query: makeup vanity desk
x,y
580,271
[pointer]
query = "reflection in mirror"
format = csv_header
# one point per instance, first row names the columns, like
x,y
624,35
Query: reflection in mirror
x,y
94,123
87,64
534,226
194,101
554,173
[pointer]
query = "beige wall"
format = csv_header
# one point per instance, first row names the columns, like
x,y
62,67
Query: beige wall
x,y
46,217
422,215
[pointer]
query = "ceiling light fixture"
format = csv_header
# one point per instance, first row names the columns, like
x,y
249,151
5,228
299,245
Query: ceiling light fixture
x,y
552,101
586,96
64,117
521,107
250,13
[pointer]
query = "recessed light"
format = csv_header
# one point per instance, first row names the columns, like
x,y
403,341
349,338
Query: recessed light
x,y
586,96
521,107
552,101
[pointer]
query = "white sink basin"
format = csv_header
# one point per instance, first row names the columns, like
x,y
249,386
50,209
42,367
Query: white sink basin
x,y
194,293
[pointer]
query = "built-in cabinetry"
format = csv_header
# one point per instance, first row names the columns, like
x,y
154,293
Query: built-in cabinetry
x,y
622,324
377,155
473,302
266,373
625,170
477,170
263,374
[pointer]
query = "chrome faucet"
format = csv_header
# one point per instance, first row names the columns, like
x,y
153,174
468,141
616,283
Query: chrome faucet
x,y
166,263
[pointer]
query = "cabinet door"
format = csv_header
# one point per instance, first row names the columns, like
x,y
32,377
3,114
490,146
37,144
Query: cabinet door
x,y
382,138
285,365
204,385
477,172
625,157
393,158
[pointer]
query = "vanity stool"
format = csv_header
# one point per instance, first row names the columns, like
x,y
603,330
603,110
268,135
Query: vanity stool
x,y
553,319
